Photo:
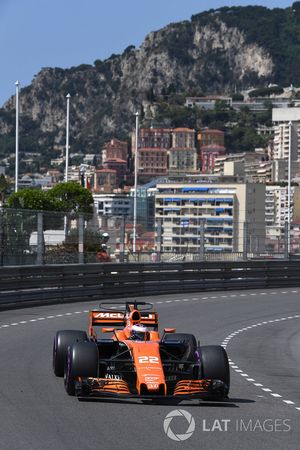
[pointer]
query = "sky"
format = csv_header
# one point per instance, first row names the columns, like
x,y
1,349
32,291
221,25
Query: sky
x,y
65,33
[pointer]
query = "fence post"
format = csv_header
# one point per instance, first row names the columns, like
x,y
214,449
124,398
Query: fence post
x,y
1,238
122,239
286,240
158,239
40,240
245,241
80,240
202,240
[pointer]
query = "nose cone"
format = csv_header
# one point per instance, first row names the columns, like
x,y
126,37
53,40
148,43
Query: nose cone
x,y
149,371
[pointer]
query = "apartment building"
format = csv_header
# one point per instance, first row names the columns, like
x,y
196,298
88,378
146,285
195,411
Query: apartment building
x,y
113,204
223,210
183,154
183,138
153,138
245,157
105,180
209,136
152,162
282,117
115,149
208,155
119,165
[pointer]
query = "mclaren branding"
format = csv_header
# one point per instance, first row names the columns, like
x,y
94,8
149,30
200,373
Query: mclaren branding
x,y
108,315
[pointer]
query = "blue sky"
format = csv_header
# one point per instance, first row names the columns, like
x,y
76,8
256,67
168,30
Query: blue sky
x,y
65,33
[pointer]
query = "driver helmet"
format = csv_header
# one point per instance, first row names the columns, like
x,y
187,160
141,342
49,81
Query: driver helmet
x,y
139,333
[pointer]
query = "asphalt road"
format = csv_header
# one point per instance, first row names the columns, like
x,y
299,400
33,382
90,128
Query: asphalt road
x,y
260,329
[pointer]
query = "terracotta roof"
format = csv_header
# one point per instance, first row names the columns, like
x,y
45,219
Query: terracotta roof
x,y
188,130
212,131
119,160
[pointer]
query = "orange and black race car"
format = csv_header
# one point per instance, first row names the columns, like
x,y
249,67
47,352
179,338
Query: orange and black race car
x,y
136,362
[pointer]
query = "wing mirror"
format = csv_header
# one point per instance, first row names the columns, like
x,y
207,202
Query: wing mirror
x,y
169,330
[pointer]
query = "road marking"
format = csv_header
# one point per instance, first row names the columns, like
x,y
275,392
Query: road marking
x,y
233,365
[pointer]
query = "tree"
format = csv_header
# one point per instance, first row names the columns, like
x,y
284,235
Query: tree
x,y
32,199
72,197
4,188
64,197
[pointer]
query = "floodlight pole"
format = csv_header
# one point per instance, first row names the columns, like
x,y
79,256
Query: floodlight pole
x,y
17,84
135,179
289,191
67,137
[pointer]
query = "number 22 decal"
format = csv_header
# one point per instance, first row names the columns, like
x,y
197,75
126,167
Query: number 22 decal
x,y
148,359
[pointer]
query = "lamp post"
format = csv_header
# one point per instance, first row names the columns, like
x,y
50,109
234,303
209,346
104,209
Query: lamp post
x,y
17,84
289,191
135,178
67,137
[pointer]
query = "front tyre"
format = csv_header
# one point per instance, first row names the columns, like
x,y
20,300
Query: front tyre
x,y
214,365
82,361
62,340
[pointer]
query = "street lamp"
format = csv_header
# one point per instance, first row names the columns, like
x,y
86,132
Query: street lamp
x,y
135,178
67,137
289,190
17,84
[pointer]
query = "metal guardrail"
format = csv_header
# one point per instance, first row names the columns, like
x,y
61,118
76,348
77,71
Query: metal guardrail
x,y
22,286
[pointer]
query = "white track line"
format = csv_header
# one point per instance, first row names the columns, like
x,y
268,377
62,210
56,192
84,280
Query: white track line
x,y
241,372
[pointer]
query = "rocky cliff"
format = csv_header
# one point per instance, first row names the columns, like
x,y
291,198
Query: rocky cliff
x,y
219,51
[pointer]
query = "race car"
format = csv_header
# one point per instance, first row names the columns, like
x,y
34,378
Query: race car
x,y
135,361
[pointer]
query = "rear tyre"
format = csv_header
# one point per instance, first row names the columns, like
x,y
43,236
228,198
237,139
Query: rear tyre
x,y
62,340
190,343
214,365
82,360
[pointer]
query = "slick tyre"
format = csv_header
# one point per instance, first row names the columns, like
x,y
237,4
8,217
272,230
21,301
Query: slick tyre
x,y
82,360
62,340
214,365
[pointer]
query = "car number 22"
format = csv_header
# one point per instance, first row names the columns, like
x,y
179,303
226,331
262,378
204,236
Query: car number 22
x,y
148,359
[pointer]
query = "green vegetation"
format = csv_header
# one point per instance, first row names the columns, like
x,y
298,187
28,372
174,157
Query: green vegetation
x,y
266,92
277,30
66,197
104,98
239,127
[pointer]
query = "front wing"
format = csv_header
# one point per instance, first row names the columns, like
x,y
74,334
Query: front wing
x,y
184,389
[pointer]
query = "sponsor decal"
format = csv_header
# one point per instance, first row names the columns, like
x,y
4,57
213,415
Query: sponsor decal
x,y
151,378
108,315
171,377
111,376
152,385
148,359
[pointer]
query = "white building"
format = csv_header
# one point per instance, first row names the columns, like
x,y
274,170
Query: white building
x,y
113,204
281,118
225,211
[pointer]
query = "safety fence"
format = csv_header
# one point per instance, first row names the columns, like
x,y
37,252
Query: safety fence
x,y
33,237
37,285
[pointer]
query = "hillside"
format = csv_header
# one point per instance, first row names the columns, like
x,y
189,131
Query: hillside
x,y
218,51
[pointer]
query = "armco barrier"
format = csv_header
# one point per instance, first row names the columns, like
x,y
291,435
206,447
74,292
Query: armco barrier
x,y
37,285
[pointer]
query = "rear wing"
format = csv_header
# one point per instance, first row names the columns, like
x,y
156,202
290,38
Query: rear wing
x,y
118,318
